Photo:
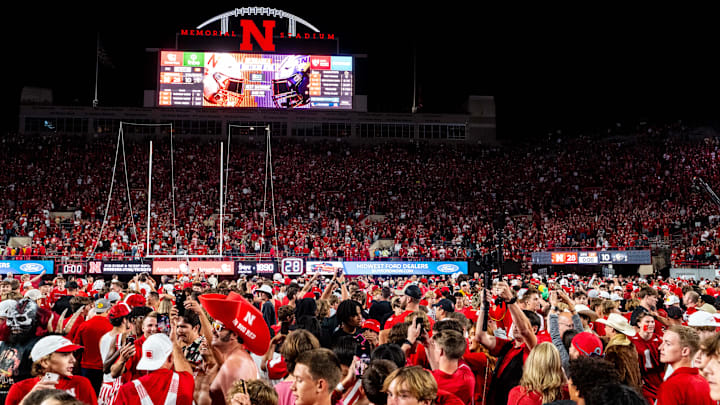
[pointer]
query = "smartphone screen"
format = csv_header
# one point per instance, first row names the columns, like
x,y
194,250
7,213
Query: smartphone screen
x,y
163,324
362,364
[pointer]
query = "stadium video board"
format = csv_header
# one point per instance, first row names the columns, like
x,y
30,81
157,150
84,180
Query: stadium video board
x,y
246,80
592,257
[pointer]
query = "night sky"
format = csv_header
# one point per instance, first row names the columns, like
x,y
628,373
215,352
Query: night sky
x,y
548,69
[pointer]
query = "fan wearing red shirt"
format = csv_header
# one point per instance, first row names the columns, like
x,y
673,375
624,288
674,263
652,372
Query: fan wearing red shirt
x,y
170,375
53,354
511,353
59,290
88,335
647,343
444,351
684,385
409,302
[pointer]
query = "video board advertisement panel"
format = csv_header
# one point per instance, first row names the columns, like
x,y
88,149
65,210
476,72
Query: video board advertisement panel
x,y
27,266
175,267
386,268
592,257
245,80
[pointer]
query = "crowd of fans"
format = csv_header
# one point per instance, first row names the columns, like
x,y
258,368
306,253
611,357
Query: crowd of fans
x,y
321,340
435,201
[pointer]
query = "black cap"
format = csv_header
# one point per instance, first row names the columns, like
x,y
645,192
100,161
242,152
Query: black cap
x,y
445,304
674,312
413,291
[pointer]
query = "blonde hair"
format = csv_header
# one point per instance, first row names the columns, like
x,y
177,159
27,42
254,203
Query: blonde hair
x,y
296,342
632,304
323,308
543,372
410,318
260,392
607,307
418,381
38,369
165,306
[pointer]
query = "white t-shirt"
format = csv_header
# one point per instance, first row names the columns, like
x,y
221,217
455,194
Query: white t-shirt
x,y
106,342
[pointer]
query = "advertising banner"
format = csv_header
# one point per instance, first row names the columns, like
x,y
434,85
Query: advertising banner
x,y
386,268
326,268
175,267
252,268
592,257
404,268
27,266
122,267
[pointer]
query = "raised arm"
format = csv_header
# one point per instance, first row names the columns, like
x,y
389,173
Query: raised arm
x,y
554,330
38,277
179,361
205,328
519,319
482,336
328,289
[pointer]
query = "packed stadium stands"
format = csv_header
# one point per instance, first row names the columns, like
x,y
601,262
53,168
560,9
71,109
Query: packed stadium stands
x,y
333,199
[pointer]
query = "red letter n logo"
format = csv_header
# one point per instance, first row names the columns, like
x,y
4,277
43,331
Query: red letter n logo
x,y
250,29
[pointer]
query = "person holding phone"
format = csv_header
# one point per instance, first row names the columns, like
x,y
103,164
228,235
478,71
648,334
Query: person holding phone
x,y
53,363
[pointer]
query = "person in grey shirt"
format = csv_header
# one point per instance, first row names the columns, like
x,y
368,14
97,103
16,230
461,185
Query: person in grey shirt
x,y
560,322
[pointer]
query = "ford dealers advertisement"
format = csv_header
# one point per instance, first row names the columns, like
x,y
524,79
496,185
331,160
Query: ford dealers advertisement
x,y
388,268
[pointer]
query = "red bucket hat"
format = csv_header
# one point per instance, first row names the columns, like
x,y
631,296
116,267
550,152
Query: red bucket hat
x,y
238,315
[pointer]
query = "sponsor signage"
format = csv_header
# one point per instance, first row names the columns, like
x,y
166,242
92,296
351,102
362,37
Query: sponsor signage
x,y
120,266
386,268
404,268
327,268
291,266
251,268
175,267
27,266
73,267
592,257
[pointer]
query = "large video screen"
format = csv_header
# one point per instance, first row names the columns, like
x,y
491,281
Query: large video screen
x,y
245,80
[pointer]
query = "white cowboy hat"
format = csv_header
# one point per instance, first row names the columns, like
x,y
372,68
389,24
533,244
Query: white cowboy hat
x,y
619,323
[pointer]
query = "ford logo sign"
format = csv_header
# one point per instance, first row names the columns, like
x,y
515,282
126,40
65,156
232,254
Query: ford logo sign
x,y
448,268
32,267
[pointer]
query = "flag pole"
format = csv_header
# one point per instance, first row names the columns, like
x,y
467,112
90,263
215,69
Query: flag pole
x,y
97,62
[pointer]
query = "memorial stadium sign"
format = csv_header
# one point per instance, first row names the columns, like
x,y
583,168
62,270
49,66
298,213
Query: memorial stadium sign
x,y
249,30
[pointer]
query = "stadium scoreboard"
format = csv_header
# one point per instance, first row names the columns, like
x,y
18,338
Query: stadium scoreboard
x,y
247,80
592,257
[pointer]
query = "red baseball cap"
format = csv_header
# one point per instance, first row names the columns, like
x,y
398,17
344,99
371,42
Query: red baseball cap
x,y
119,310
372,324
